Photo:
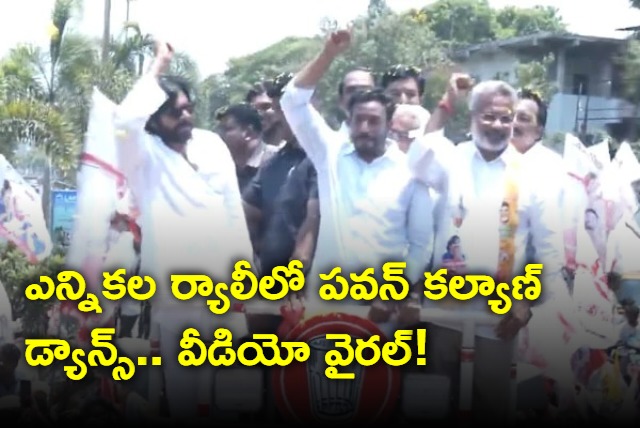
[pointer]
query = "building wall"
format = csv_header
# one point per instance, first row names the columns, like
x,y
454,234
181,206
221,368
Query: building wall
x,y
591,64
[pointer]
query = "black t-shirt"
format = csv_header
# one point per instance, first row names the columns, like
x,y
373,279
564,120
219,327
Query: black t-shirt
x,y
289,212
263,189
245,175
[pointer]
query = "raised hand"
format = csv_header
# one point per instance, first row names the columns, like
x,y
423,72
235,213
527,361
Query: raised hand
x,y
163,57
459,86
339,41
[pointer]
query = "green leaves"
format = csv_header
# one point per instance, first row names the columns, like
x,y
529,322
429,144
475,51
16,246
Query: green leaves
x,y
16,274
42,125
534,76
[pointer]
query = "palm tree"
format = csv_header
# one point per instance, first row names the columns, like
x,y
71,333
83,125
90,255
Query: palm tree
x,y
45,94
44,97
37,116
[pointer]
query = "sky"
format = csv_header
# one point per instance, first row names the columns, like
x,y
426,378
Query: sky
x,y
212,32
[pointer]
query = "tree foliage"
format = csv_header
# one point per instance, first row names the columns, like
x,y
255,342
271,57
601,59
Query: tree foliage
x,y
16,274
464,22
534,76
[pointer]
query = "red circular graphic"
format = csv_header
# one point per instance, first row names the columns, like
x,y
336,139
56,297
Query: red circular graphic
x,y
305,397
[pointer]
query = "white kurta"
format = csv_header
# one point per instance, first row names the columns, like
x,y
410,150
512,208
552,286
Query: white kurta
x,y
192,222
371,212
463,175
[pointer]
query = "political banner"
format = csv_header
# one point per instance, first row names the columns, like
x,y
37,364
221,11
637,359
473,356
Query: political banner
x,y
63,208
21,215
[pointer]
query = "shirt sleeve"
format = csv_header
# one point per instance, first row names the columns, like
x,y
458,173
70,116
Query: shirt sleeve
x,y
546,231
130,119
252,193
239,243
420,232
313,133
429,157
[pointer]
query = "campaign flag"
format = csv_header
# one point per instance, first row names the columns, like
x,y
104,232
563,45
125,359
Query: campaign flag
x,y
616,183
601,152
583,190
101,190
582,163
7,335
21,215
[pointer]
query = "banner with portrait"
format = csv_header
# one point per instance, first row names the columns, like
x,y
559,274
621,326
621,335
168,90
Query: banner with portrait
x,y
617,191
21,215
585,168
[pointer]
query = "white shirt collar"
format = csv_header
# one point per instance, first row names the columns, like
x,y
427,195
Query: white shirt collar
x,y
344,129
392,151
507,155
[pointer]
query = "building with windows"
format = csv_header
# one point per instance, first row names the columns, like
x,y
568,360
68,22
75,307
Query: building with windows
x,y
585,71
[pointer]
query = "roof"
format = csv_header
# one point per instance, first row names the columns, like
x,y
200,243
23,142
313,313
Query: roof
x,y
536,39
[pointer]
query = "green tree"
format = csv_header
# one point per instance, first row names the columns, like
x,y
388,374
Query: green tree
x,y
534,75
465,22
16,274
214,92
45,94
461,22
38,116
287,55
377,10
630,61
513,21
392,39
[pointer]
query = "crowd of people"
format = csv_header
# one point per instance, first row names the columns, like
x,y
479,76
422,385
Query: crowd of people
x,y
274,183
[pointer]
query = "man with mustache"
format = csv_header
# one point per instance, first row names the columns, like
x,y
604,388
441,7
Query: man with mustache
x,y
240,126
496,204
372,210
191,213
528,131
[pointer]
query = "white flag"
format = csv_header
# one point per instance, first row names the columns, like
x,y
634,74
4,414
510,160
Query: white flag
x,y
601,152
101,191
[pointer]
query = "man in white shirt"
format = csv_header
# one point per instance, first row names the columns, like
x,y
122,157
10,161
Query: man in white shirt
x,y
495,205
372,211
191,213
528,130
545,339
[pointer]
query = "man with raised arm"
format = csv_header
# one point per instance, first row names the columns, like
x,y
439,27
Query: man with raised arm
x,y
496,205
372,210
191,215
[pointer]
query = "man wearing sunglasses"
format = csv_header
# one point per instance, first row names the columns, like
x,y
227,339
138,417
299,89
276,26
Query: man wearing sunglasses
x,y
191,212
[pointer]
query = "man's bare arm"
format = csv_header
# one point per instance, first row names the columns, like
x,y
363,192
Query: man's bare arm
x,y
308,234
